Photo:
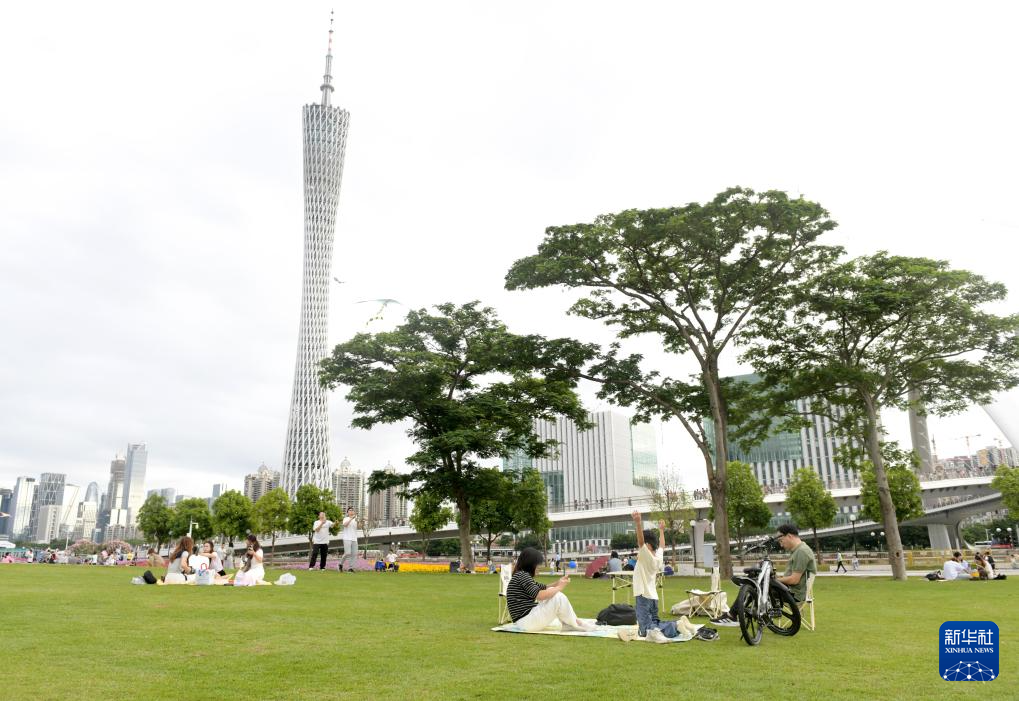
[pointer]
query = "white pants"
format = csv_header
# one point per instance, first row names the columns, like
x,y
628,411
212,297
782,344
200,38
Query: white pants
x,y
547,611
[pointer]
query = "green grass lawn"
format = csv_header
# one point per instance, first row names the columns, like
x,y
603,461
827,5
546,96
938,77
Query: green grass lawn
x,y
86,632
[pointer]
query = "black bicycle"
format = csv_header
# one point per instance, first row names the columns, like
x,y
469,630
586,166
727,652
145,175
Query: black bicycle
x,y
764,602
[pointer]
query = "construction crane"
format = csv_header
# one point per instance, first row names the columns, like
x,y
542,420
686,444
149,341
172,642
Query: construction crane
x,y
934,444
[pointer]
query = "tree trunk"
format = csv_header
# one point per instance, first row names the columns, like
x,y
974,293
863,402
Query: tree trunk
x,y
272,549
817,544
464,528
894,541
717,467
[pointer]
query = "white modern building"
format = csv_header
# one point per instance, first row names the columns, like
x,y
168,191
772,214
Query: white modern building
x,y
306,454
613,460
47,523
50,492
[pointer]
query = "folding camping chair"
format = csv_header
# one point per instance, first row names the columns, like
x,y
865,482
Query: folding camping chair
x,y
707,603
505,574
807,605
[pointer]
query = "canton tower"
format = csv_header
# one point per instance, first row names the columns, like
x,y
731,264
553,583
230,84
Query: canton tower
x,y
306,456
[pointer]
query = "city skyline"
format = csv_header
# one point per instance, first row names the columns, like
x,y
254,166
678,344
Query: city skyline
x,y
156,303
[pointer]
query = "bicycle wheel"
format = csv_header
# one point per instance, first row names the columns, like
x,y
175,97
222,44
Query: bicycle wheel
x,y
749,619
783,615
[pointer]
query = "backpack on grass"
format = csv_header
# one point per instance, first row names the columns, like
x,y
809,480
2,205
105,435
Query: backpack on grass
x,y
617,615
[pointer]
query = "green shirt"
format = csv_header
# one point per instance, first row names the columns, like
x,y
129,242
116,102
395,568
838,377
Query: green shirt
x,y
801,559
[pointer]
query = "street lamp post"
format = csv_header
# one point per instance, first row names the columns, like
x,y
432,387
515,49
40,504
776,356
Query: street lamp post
x,y
873,535
852,523
882,536
191,525
693,541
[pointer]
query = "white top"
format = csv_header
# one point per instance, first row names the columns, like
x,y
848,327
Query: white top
x,y
646,572
257,571
391,558
349,528
320,532
955,570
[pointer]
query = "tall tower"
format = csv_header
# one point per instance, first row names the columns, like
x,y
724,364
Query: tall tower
x,y
306,456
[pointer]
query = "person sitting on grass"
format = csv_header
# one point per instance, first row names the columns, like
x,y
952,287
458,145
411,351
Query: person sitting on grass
x,y
645,591
253,571
955,569
155,559
614,563
215,563
178,571
533,606
980,567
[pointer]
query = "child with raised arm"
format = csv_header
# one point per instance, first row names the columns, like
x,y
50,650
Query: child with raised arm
x,y
645,593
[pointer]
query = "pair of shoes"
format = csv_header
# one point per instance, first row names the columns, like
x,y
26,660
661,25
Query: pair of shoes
x,y
706,634
686,627
725,621
627,634
656,636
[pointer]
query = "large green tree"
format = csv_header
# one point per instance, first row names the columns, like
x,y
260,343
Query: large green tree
x,y
1006,481
809,503
186,512
863,335
469,390
693,276
232,515
429,514
308,502
272,514
155,519
903,487
745,502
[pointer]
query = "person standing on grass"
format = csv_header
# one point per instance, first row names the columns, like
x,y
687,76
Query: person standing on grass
x,y
645,590
839,562
320,541
349,540
533,606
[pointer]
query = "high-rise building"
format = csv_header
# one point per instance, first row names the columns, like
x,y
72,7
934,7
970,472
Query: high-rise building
x,y
387,508
775,459
85,522
348,486
218,490
134,480
49,493
6,500
92,493
21,506
47,523
306,455
69,506
114,497
257,484
613,460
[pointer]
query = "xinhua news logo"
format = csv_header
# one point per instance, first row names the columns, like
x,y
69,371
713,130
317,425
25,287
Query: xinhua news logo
x,y
969,651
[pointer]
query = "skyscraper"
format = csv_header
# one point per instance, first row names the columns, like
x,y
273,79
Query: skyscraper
x,y
348,486
306,455
387,508
134,480
49,493
6,499
92,493
21,505
257,484
110,506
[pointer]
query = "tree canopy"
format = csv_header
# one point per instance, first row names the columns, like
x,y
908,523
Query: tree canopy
x,y
672,504
809,503
186,511
861,335
692,275
271,514
155,519
232,514
429,514
745,502
469,389
1006,481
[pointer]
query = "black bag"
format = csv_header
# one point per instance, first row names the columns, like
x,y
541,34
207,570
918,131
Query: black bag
x,y
934,576
1001,576
617,615
149,577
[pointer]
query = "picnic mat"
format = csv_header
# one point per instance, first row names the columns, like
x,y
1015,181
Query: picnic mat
x,y
599,632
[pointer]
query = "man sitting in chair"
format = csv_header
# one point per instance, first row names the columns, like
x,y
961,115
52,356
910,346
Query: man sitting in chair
x,y
802,564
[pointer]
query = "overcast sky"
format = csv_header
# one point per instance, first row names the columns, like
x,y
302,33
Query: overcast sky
x,y
151,179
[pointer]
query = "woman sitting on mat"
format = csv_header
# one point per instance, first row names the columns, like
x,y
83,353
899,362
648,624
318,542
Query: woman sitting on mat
x,y
533,606
252,572
179,570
